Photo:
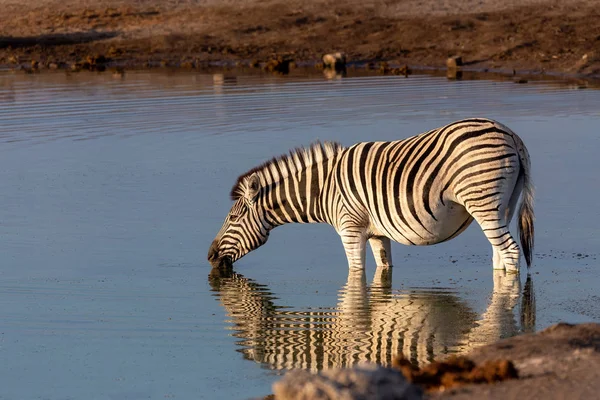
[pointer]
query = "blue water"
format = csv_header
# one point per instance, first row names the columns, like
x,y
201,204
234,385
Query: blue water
x,y
113,188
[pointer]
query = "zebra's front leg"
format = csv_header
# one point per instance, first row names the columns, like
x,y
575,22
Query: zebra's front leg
x,y
354,241
382,250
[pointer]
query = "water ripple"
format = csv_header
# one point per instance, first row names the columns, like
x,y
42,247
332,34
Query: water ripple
x,y
88,106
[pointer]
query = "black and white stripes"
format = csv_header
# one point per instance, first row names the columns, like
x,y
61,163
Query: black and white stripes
x,y
419,191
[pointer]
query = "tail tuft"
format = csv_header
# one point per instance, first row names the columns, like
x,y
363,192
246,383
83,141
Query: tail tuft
x,y
526,216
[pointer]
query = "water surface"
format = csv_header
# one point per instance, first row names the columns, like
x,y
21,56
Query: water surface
x,y
114,187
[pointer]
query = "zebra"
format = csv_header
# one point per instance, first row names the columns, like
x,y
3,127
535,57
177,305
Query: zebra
x,y
422,190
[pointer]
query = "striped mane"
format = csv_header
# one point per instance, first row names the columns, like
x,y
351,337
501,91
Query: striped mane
x,y
297,159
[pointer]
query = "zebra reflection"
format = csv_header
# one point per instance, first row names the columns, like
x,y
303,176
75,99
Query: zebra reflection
x,y
370,322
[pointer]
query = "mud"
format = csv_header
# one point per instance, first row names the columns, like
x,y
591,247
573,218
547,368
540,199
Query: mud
x,y
543,36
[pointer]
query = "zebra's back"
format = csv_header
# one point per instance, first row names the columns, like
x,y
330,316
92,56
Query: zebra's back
x,y
425,189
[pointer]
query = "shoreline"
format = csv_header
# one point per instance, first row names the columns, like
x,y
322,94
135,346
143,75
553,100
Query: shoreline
x,y
312,70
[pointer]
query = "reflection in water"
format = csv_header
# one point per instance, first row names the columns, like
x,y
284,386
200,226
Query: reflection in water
x,y
332,74
370,323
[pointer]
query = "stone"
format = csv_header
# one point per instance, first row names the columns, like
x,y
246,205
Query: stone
x,y
365,381
335,61
454,62
280,65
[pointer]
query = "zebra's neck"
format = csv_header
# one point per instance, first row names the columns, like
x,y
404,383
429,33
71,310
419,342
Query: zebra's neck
x,y
295,187
299,196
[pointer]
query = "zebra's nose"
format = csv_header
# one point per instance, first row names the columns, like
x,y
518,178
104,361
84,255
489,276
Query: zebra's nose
x,y
213,252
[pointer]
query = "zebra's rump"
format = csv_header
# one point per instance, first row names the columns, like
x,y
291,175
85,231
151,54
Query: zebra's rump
x,y
424,189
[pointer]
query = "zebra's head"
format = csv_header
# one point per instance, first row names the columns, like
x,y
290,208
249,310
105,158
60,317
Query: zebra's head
x,y
244,229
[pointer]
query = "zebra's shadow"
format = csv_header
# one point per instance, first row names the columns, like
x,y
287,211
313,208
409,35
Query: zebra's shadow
x,y
370,322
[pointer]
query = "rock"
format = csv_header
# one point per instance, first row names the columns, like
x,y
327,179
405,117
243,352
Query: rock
x,y
384,67
560,362
335,61
97,59
280,65
403,70
454,62
188,64
364,381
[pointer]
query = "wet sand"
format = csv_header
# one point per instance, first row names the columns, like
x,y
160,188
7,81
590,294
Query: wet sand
x,y
538,36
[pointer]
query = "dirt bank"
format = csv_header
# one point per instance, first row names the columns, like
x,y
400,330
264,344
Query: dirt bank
x,y
539,36
560,362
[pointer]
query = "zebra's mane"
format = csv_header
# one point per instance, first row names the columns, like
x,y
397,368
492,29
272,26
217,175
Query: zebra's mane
x,y
296,160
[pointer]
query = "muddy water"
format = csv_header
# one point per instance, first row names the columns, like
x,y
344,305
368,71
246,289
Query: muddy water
x,y
113,187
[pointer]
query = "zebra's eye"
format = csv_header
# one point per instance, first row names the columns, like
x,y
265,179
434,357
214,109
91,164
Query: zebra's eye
x,y
233,218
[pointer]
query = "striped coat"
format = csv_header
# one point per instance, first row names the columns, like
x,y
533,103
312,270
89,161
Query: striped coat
x,y
418,191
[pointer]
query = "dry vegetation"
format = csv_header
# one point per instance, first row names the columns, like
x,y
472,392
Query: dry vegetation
x,y
542,35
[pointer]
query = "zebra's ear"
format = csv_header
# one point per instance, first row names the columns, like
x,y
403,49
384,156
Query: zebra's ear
x,y
252,187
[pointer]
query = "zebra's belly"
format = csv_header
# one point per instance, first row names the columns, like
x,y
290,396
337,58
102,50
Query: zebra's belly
x,y
450,220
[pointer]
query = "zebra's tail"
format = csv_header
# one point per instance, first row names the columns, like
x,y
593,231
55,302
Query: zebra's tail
x,y
526,217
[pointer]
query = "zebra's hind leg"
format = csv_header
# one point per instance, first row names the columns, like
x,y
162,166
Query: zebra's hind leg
x,y
382,250
508,215
492,216
505,248
493,206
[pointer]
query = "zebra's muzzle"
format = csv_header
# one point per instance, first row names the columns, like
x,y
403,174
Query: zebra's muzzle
x,y
215,260
222,263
